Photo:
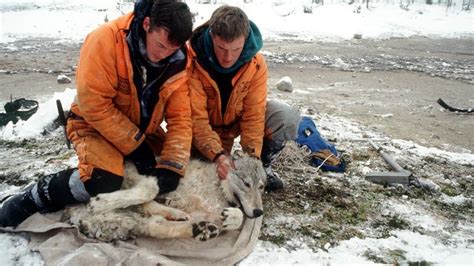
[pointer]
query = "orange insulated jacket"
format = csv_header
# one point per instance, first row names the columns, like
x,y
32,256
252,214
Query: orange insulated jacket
x,y
213,132
108,103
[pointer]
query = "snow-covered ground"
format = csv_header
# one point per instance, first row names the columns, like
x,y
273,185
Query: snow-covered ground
x,y
414,246
71,20
277,19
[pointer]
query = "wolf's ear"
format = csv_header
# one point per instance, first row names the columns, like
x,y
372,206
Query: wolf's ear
x,y
238,154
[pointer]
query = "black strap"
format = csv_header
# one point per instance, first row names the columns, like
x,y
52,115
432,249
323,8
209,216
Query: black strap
x,y
54,190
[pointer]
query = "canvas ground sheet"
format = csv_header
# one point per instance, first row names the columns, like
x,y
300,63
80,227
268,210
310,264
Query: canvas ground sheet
x,y
62,244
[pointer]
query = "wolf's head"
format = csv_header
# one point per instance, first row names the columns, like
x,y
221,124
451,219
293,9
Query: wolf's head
x,y
244,185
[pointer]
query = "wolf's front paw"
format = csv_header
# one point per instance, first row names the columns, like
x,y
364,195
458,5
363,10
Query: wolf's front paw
x,y
231,218
205,230
97,205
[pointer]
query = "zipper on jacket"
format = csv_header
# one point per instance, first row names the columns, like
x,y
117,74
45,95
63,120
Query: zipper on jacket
x,y
148,86
143,72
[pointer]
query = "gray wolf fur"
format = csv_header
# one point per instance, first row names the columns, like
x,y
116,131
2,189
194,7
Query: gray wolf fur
x,y
202,206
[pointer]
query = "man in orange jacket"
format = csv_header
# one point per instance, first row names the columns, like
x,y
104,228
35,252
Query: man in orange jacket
x,y
130,78
228,88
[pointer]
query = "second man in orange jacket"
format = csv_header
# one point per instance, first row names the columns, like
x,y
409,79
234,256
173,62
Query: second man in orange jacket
x,y
228,88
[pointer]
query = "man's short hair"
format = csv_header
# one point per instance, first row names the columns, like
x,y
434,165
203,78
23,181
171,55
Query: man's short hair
x,y
229,23
175,16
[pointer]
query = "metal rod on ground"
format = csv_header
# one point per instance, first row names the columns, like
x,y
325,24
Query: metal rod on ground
x,y
62,120
400,175
387,157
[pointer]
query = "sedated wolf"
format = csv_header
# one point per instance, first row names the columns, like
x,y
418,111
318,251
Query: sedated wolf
x,y
201,207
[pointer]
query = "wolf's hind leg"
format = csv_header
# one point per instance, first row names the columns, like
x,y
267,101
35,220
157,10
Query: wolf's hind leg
x,y
189,203
157,227
154,208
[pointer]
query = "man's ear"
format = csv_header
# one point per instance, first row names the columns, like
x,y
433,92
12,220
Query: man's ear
x,y
146,24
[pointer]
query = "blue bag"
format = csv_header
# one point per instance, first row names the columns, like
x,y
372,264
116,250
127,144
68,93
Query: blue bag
x,y
323,154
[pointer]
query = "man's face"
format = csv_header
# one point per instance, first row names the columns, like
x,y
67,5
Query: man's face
x,y
227,53
158,46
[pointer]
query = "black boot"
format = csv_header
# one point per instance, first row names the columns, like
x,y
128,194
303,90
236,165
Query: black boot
x,y
51,193
270,150
17,208
273,180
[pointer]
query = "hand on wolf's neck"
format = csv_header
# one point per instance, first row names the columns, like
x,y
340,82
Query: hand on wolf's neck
x,y
224,166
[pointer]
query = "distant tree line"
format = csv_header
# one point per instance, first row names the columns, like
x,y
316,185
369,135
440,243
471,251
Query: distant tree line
x,y
466,5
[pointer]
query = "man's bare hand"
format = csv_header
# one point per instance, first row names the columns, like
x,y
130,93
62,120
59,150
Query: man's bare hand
x,y
224,166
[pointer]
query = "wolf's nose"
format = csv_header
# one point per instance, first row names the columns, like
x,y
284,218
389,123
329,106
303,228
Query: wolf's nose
x,y
257,213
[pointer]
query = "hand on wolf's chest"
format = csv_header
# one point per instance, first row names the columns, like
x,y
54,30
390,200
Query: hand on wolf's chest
x,y
167,180
143,158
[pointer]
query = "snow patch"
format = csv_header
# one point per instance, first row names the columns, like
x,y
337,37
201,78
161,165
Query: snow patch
x,y
35,125
15,251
